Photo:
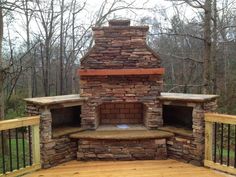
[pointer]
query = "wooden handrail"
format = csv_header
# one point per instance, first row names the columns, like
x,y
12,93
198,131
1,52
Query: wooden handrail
x,y
220,118
33,122
19,122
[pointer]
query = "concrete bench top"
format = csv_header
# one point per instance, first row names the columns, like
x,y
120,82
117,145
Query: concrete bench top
x,y
121,134
187,97
50,100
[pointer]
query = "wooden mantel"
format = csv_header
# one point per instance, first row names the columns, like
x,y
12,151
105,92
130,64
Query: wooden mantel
x,y
119,72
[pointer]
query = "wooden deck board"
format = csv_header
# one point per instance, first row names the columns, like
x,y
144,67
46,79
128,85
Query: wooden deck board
x,y
151,168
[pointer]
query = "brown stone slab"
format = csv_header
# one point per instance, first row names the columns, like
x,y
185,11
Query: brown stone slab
x,y
122,134
61,131
119,72
50,100
187,97
179,131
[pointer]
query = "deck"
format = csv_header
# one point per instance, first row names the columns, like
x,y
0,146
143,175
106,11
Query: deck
x,y
151,168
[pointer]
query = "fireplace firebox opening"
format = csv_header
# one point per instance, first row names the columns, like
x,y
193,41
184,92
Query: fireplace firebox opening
x,y
121,113
69,116
65,120
178,116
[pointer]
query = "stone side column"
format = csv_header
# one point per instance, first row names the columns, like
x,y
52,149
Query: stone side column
x,y
54,151
89,116
47,143
197,149
199,127
153,115
191,149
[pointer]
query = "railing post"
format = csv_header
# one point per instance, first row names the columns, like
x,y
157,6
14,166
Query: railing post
x,y
208,140
211,122
35,144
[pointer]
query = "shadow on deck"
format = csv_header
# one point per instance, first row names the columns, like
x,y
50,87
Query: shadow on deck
x,y
150,168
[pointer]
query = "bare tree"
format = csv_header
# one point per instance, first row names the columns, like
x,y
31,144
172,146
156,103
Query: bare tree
x,y
62,4
2,69
47,18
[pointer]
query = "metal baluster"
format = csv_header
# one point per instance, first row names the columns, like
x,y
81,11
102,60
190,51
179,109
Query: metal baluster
x,y
215,142
235,146
23,146
17,150
10,150
3,155
30,145
228,149
221,146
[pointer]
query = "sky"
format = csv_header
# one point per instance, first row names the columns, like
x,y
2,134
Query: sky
x,y
17,30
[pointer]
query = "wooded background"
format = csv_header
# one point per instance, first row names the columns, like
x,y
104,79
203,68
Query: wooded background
x,y
42,41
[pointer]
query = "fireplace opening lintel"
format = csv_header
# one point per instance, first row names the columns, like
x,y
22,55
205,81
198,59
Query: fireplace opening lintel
x,y
118,72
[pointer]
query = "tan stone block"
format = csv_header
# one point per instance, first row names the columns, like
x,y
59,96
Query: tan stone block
x,y
105,156
160,141
182,140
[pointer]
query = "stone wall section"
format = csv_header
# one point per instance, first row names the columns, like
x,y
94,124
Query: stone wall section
x,y
119,47
148,149
54,151
191,148
32,109
129,89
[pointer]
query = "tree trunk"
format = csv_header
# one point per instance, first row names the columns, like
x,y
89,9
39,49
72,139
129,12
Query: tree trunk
x,y
61,49
29,75
207,47
1,69
213,49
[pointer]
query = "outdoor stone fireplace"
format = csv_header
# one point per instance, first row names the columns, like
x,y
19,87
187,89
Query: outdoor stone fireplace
x,y
121,83
121,70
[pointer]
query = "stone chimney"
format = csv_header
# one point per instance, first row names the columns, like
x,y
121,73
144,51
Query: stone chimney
x,y
120,46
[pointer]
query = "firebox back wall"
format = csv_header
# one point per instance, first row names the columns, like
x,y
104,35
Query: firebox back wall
x,y
121,113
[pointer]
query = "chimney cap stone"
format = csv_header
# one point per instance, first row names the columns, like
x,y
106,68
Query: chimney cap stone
x,y
117,23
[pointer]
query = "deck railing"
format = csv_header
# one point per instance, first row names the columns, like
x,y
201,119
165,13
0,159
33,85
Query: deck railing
x,y
19,146
220,142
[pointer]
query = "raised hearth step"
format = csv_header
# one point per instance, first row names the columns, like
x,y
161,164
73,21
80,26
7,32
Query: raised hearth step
x,y
122,134
66,130
178,131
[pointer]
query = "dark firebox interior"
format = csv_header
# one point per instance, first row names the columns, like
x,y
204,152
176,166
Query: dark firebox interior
x,y
69,116
178,116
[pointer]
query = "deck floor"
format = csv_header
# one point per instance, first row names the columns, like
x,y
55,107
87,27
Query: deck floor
x,y
151,168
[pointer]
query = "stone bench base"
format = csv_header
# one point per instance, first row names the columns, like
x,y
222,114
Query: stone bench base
x,y
143,149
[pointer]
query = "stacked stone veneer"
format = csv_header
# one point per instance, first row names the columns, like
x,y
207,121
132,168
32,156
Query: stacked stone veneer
x,y
120,46
190,148
53,151
142,149
128,89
